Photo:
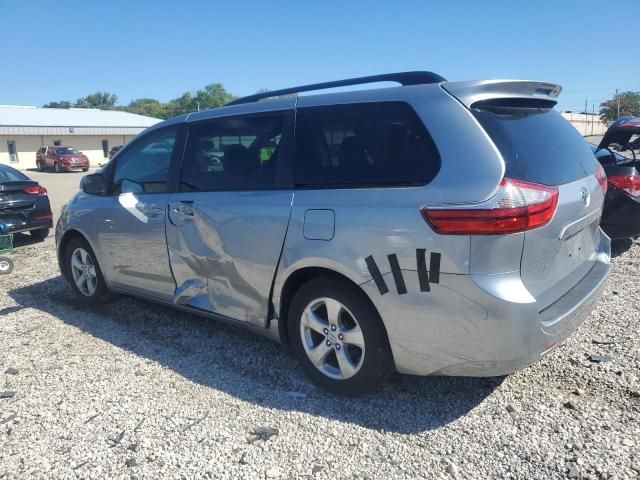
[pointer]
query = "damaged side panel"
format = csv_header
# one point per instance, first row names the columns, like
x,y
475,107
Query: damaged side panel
x,y
224,253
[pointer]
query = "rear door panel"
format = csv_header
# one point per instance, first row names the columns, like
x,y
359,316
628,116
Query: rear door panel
x,y
227,225
224,249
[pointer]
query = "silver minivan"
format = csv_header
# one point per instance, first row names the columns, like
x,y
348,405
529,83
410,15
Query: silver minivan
x,y
433,228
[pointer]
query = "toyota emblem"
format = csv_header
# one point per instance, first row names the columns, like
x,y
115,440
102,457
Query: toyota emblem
x,y
586,198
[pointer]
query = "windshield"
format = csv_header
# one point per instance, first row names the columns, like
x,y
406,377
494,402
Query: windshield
x,y
67,151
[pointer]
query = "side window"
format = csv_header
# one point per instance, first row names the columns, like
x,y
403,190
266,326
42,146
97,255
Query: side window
x,y
144,168
361,145
235,153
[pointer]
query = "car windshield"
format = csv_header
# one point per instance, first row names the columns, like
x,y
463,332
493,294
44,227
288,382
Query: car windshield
x,y
67,151
8,174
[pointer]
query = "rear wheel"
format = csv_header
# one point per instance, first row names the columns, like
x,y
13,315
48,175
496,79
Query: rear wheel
x,y
40,234
56,167
83,272
338,337
6,266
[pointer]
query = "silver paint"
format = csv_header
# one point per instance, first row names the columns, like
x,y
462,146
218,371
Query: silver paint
x,y
501,301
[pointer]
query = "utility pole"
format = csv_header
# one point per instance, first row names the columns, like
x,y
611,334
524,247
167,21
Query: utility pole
x,y
593,116
618,99
586,117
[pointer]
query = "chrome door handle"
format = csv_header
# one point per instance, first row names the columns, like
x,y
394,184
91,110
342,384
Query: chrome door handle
x,y
152,211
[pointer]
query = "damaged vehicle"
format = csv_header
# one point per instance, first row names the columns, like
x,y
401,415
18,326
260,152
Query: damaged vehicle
x,y
358,228
621,215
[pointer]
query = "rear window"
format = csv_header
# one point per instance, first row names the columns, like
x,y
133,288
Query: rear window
x,y
8,174
363,145
537,144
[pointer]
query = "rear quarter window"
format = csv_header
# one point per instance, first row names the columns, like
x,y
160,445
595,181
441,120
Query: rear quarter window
x,y
537,144
363,145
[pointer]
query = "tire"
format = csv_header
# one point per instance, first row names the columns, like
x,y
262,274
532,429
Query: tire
x,y
6,266
361,369
39,167
94,290
56,167
85,169
40,234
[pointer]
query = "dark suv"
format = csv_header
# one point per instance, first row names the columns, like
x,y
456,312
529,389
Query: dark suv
x,y
61,159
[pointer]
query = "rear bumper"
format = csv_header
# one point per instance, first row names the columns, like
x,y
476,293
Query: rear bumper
x,y
483,325
34,218
17,225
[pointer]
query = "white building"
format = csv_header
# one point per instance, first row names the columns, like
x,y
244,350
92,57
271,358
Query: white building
x,y
586,123
23,130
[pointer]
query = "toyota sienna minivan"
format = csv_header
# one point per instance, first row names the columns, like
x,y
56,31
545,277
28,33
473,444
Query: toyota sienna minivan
x,y
432,228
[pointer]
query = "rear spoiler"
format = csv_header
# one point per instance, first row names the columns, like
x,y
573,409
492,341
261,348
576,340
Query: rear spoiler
x,y
473,92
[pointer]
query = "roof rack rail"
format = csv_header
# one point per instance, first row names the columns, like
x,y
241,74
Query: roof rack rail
x,y
403,78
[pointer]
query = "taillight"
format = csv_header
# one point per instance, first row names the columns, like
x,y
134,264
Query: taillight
x,y
518,206
602,178
36,190
629,184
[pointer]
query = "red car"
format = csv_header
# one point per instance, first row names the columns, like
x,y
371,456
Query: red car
x,y
61,159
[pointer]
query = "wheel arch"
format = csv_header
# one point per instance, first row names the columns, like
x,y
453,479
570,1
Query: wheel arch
x,y
298,278
66,238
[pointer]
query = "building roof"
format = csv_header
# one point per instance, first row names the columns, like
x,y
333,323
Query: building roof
x,y
26,120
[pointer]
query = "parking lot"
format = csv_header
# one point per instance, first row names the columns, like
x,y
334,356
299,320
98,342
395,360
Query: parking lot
x,y
133,390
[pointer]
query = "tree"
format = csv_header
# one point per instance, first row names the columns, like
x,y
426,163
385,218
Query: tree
x,y
101,100
147,106
212,96
60,104
629,105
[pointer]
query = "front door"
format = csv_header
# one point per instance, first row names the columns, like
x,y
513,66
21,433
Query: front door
x,y
226,226
131,230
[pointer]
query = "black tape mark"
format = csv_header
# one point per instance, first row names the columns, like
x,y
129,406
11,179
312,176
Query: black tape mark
x,y
397,274
434,267
423,276
376,275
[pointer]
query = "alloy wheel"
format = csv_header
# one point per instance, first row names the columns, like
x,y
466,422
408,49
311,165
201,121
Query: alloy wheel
x,y
84,272
332,338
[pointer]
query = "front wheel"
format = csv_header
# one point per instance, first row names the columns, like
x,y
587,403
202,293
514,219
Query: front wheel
x,y
56,167
6,266
85,169
338,337
83,272
39,167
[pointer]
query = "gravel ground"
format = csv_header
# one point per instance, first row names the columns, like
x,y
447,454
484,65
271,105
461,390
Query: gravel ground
x,y
133,390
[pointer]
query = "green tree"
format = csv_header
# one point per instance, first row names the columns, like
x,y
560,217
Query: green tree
x,y
629,105
180,105
212,96
60,104
101,100
147,106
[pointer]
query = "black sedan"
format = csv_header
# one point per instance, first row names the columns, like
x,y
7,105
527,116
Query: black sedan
x,y
24,204
621,214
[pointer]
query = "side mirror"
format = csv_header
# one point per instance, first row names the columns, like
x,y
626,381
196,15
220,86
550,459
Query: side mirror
x,y
93,184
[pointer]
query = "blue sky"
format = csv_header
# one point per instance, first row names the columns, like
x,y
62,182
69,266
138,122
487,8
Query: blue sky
x,y
57,50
